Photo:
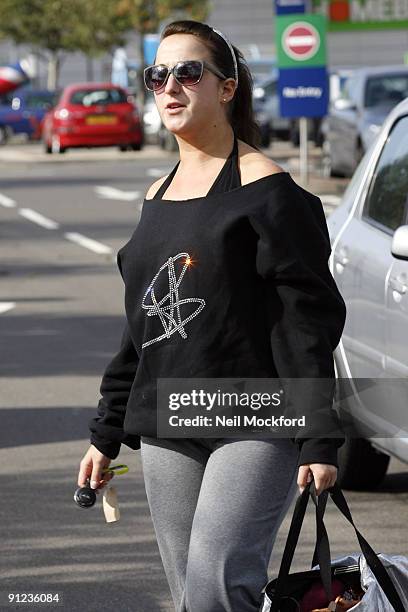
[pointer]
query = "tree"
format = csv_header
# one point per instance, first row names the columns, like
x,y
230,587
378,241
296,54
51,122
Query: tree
x,y
58,26
91,26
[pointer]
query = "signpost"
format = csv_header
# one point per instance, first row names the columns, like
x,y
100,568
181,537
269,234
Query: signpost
x,y
303,81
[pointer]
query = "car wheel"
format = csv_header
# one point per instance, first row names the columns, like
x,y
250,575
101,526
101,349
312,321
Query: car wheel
x,y
328,170
136,147
47,148
123,148
3,135
361,466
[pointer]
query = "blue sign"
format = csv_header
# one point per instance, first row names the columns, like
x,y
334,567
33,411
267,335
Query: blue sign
x,y
150,46
287,7
303,92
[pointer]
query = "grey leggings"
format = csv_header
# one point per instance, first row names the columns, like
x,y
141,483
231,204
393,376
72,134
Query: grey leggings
x,y
216,512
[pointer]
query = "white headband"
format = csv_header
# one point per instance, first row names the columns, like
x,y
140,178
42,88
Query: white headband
x,y
234,59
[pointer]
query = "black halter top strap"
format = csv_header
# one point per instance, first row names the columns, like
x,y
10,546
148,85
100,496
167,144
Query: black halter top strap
x,y
227,179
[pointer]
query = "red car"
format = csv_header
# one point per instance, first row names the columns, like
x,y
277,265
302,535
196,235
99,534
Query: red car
x,y
92,115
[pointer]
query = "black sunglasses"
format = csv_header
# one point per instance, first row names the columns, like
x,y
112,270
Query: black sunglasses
x,y
187,72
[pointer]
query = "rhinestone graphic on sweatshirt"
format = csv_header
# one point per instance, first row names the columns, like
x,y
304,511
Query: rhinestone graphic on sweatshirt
x,y
173,312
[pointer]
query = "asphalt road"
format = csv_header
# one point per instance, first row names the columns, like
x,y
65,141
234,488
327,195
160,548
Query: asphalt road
x,y
61,312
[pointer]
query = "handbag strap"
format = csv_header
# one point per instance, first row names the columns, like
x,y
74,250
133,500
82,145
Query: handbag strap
x,y
322,548
320,503
371,557
321,551
322,556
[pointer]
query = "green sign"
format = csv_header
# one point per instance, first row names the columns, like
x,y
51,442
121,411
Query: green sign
x,y
301,40
363,14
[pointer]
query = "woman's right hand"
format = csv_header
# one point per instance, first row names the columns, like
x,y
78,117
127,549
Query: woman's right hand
x,y
91,466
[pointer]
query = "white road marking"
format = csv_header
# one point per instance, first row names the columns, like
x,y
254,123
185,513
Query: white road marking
x,y
88,243
5,306
36,217
6,201
112,193
330,199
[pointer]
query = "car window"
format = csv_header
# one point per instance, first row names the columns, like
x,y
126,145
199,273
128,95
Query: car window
x,y
88,97
40,101
343,78
354,186
349,89
336,86
386,89
6,99
386,203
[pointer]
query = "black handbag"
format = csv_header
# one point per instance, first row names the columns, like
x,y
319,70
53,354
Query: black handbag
x,y
286,592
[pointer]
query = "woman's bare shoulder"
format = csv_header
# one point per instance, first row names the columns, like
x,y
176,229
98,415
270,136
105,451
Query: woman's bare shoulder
x,y
155,187
254,164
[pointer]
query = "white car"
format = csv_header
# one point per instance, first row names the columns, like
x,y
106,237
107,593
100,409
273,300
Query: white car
x,y
369,261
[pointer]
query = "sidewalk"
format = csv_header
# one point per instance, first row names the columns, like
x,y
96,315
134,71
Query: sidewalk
x,y
21,152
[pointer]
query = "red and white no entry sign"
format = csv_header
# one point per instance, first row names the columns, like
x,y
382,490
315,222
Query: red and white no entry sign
x,y
301,40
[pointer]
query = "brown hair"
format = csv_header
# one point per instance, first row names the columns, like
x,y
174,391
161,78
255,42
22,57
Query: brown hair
x,y
239,109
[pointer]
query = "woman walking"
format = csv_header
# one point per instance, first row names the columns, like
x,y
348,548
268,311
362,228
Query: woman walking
x,y
226,275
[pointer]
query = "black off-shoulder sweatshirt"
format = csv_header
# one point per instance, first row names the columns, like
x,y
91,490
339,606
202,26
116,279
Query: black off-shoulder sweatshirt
x,y
233,284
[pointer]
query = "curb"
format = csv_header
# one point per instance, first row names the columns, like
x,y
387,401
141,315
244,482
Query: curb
x,y
12,155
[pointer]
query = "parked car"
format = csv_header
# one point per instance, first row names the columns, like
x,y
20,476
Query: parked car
x,y
93,115
357,116
22,112
369,261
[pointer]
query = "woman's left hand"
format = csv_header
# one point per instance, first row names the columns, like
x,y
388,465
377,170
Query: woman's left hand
x,y
323,474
